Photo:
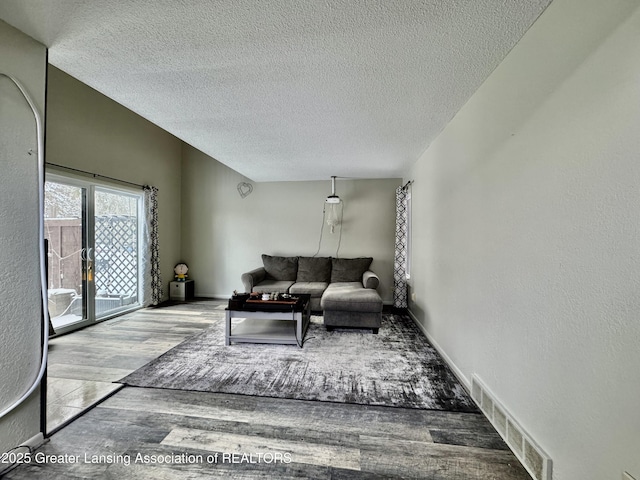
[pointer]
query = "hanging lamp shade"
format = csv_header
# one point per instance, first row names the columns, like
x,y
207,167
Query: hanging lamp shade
x,y
333,207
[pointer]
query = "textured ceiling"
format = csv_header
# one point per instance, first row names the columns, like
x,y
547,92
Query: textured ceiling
x,y
285,89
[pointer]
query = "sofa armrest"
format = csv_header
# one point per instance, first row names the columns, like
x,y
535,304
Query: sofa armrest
x,y
252,278
370,280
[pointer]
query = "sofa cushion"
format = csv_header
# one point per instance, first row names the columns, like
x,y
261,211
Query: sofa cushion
x,y
315,289
349,269
272,286
314,269
343,286
349,298
280,268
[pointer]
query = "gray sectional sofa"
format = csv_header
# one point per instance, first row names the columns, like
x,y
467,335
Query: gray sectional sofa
x,y
343,288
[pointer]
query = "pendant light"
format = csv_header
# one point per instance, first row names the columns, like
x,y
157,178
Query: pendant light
x,y
332,206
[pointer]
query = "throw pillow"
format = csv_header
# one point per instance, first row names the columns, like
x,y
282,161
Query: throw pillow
x,y
349,269
314,269
280,268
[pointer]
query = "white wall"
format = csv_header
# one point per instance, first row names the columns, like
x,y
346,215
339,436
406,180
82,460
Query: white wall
x,y
526,266
223,235
90,132
20,315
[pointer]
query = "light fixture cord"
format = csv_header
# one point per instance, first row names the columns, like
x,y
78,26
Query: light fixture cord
x,y
324,209
340,224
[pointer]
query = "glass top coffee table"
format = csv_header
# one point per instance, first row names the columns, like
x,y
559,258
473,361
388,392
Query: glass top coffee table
x,y
282,321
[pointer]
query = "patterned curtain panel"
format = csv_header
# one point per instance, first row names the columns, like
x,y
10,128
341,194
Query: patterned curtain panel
x,y
400,262
153,283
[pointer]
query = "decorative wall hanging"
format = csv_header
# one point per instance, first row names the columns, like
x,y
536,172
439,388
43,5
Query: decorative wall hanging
x,y
245,189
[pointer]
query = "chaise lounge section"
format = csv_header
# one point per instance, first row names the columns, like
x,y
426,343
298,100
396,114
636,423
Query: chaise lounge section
x,y
343,288
349,305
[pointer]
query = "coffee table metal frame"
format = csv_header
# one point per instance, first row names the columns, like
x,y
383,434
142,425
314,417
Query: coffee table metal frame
x,y
268,325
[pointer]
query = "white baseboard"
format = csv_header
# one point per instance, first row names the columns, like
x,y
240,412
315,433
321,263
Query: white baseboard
x,y
214,296
466,383
34,442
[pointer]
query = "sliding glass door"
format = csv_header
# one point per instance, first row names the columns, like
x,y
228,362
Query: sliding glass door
x,y
116,234
66,230
94,251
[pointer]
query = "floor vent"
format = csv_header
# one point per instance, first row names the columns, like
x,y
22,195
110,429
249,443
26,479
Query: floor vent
x,y
534,459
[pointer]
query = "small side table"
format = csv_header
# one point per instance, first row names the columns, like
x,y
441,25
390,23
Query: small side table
x,y
182,291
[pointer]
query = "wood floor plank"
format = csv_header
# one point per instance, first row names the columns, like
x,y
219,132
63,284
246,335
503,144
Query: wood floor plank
x,y
211,468
89,393
469,438
129,361
298,432
446,462
106,349
58,388
86,372
83,337
58,414
255,447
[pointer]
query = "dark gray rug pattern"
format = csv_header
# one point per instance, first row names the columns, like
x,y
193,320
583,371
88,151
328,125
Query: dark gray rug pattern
x,y
398,368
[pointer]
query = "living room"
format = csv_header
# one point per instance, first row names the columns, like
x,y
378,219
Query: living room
x,y
524,261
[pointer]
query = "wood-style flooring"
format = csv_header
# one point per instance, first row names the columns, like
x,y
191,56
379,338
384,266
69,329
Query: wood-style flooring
x,y
83,365
140,433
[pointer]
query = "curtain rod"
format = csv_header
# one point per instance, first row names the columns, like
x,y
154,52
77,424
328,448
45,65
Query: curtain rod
x,y
406,185
94,175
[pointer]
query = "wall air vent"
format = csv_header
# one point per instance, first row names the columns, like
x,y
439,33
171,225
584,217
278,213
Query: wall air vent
x,y
534,459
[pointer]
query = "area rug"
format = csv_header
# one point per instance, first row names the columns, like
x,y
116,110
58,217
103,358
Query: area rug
x,y
397,368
